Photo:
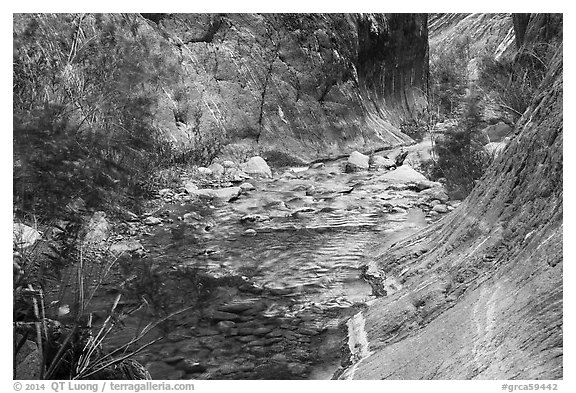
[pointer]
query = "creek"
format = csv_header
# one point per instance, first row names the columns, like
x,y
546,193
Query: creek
x,y
268,280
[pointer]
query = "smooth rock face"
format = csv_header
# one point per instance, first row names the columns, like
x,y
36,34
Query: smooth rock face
x,y
256,166
24,236
357,162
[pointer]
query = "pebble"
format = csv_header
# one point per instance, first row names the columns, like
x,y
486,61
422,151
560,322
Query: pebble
x,y
191,367
262,331
246,339
440,208
173,359
250,232
226,326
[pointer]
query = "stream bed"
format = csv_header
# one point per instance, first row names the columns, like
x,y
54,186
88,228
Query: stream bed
x,y
269,280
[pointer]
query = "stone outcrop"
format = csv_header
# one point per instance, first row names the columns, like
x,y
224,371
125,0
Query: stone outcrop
x,y
480,292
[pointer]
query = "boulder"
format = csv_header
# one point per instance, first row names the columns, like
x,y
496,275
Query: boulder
x,y
247,187
421,185
126,246
226,194
357,162
152,220
434,193
98,228
405,174
223,194
190,187
204,171
440,208
24,236
256,166
237,175
228,164
217,169
379,162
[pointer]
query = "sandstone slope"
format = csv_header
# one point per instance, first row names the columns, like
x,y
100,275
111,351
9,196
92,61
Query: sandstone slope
x,y
479,293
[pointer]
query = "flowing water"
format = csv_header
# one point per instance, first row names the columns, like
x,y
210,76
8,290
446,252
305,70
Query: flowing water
x,y
270,279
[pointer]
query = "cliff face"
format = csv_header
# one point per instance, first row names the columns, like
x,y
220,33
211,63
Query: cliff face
x,y
307,84
487,34
479,294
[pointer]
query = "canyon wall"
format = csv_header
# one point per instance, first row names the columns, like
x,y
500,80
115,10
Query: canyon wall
x,y
479,294
309,85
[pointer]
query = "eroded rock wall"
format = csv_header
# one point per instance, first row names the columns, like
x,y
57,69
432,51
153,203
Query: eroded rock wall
x,y
310,85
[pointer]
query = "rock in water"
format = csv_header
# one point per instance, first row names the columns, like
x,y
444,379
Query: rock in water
x,y
256,166
225,194
357,162
404,174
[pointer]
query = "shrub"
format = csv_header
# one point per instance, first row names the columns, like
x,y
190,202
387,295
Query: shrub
x,y
85,96
461,157
511,84
449,77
